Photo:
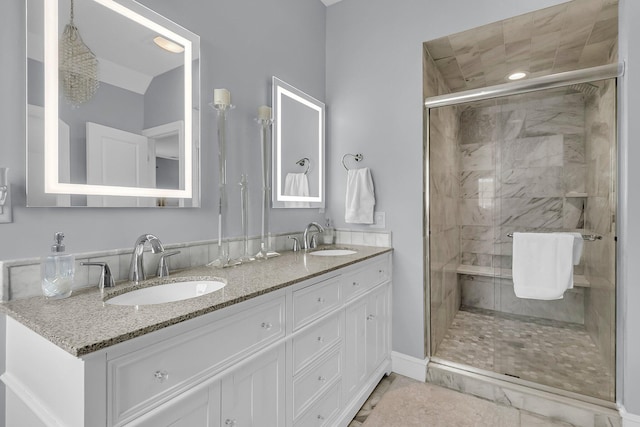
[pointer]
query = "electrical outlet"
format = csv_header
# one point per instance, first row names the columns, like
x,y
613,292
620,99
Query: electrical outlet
x,y
379,219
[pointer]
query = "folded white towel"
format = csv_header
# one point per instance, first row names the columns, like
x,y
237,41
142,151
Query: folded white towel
x,y
360,198
542,265
296,184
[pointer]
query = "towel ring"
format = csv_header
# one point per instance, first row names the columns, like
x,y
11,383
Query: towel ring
x,y
356,157
304,161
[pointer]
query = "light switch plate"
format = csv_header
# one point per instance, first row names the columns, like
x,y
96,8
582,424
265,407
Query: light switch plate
x,y
379,219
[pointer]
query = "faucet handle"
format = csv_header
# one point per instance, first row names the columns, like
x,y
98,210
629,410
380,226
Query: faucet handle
x,y
163,266
296,243
314,241
106,278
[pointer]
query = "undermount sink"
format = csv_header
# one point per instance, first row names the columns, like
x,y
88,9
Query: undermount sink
x,y
170,292
334,252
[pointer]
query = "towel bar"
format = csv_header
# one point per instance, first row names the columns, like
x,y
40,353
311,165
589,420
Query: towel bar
x,y
587,237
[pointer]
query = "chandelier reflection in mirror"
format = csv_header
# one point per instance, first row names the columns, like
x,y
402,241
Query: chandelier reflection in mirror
x,y
78,70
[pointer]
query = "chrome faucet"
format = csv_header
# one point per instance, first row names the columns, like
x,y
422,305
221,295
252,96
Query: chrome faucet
x,y
311,243
136,271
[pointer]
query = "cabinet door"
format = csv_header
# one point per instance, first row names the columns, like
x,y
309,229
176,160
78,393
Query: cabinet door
x,y
355,367
254,394
377,328
199,408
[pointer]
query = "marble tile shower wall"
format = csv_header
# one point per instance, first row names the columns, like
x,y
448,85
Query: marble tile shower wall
x,y
444,240
523,168
600,255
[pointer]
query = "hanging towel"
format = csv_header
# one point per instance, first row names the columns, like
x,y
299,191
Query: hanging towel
x,y
360,197
542,265
296,184
578,243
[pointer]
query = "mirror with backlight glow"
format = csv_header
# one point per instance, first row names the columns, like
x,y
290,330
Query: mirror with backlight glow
x,y
113,106
298,148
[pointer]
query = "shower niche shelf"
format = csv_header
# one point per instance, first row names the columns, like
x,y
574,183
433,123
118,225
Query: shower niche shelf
x,y
505,273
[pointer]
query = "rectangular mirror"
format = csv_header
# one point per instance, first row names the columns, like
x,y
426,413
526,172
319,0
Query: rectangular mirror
x,y
113,106
298,148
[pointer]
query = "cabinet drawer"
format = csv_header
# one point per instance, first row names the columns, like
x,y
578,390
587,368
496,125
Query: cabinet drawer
x,y
322,412
314,301
360,281
315,341
136,379
315,381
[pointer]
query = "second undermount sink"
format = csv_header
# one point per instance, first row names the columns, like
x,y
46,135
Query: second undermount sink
x,y
334,252
170,292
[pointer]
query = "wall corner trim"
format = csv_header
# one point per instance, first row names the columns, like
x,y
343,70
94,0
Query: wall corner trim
x,y
410,366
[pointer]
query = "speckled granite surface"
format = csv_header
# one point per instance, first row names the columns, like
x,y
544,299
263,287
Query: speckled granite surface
x,y
84,323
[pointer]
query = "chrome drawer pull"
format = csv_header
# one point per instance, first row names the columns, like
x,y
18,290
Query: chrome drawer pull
x,y
266,325
371,317
161,376
321,300
229,422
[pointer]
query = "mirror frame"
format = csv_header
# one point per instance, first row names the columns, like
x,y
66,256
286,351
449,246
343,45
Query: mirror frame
x,y
152,20
279,200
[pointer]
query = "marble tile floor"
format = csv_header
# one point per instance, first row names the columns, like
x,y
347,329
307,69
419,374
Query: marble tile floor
x,y
547,352
402,402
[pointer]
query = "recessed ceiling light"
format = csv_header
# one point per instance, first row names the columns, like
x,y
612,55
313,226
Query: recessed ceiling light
x,y
517,75
168,45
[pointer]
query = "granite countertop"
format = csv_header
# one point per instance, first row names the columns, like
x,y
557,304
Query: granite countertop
x,y
84,323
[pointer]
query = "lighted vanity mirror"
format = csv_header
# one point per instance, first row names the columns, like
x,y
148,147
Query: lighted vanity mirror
x,y
298,135
113,106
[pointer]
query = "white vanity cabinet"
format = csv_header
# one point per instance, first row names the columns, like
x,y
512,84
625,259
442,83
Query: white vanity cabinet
x,y
304,355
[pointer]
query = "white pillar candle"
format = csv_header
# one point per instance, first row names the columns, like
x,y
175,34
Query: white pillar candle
x,y
221,97
264,112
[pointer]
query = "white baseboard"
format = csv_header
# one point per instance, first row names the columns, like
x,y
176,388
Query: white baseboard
x,y
629,420
409,366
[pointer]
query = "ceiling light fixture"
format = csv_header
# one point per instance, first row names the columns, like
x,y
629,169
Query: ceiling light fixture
x,y
168,45
517,75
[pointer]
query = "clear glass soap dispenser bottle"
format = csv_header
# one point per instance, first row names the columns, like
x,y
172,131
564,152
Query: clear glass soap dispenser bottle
x,y
58,270
327,236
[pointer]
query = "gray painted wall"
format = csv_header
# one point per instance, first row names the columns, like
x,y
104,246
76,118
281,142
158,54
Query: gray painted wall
x,y
243,44
374,97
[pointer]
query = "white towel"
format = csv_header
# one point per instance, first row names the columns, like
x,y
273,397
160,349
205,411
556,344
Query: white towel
x,y
360,198
542,265
296,184
578,243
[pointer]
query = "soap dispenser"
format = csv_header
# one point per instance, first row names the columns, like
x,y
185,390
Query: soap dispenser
x,y
327,235
57,271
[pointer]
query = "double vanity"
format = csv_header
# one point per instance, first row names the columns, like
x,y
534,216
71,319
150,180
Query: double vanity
x,y
298,340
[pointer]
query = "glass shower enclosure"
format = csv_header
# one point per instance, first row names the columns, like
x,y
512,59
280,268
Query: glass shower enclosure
x,y
530,160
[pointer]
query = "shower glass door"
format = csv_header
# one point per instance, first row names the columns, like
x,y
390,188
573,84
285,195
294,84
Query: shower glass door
x,y
537,162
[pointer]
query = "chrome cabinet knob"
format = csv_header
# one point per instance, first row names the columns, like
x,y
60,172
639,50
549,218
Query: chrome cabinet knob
x,y
356,284
230,422
320,417
266,325
321,300
371,317
161,376
321,339
321,378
